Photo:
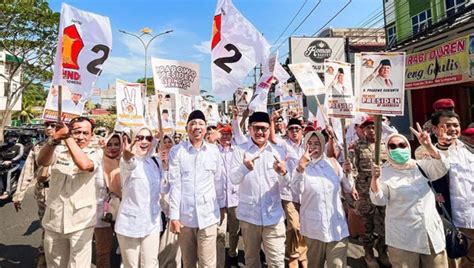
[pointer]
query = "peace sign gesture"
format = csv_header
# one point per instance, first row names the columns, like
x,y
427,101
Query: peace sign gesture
x,y
422,136
304,160
250,162
127,150
279,166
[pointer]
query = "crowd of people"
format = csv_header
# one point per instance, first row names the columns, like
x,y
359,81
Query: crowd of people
x,y
280,185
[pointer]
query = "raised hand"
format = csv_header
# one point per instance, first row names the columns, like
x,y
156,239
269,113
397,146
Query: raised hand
x,y
443,137
279,166
250,162
376,171
127,149
61,132
347,167
422,136
304,160
235,112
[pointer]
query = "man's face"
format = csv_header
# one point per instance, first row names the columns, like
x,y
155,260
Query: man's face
x,y
385,71
295,133
453,128
177,138
196,130
369,132
225,138
165,116
49,128
82,133
279,124
290,93
359,131
340,78
75,97
259,131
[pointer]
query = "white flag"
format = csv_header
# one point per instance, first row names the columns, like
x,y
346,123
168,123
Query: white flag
x,y
258,103
307,78
85,41
236,48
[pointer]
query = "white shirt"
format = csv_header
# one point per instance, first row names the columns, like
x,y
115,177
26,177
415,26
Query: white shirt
x,y
101,194
259,189
293,153
231,190
322,216
461,185
411,218
196,189
139,213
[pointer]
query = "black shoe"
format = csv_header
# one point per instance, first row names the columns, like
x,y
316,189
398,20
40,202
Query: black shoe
x,y
234,261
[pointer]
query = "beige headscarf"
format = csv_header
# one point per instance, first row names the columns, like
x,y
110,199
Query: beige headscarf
x,y
321,139
411,163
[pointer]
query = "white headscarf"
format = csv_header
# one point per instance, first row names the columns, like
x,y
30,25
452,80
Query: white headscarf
x,y
322,141
411,163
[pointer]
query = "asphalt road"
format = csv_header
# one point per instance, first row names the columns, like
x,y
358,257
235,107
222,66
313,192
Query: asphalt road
x,y
20,236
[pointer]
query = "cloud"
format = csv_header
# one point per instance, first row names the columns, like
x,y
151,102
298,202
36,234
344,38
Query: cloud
x,y
204,47
119,66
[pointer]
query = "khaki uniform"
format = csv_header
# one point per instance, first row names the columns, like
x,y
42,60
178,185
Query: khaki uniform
x,y
70,214
373,216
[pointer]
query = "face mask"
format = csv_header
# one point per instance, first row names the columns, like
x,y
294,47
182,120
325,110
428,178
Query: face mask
x,y
400,156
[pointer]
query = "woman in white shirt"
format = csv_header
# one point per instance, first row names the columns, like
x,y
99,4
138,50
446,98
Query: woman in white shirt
x,y
319,180
138,222
413,229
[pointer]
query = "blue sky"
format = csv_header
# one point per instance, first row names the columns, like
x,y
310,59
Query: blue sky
x,y
191,21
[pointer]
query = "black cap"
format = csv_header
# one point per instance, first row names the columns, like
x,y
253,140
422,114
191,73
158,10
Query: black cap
x,y
165,111
259,117
294,121
196,114
340,70
385,62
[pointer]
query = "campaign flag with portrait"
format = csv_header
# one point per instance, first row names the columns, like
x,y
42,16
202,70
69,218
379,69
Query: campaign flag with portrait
x,y
236,47
380,82
340,101
72,105
130,105
84,44
176,76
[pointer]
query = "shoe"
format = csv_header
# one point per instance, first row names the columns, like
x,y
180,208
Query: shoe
x,y
234,261
4,196
369,258
384,260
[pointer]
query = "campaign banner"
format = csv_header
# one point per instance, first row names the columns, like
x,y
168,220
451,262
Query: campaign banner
x,y
236,47
316,50
130,105
307,78
175,76
72,105
380,82
258,102
242,98
451,62
84,44
340,101
183,105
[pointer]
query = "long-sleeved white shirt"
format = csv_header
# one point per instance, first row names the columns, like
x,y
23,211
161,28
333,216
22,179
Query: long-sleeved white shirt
x,y
139,213
322,216
411,218
196,187
259,189
293,154
231,190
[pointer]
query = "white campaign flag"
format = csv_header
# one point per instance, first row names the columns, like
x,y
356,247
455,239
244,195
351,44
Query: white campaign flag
x,y
176,76
130,105
84,44
307,78
236,48
258,103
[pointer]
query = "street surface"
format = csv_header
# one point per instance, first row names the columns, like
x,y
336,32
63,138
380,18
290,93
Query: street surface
x,y
20,235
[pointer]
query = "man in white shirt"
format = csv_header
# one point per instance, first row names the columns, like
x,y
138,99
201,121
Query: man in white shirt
x,y
380,78
197,197
258,169
447,128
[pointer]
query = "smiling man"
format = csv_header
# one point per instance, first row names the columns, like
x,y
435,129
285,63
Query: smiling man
x,y
197,199
70,214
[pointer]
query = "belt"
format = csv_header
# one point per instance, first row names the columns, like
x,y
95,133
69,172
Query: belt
x,y
45,184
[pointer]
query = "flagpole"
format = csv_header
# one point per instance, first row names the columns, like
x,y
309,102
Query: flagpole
x,y
60,102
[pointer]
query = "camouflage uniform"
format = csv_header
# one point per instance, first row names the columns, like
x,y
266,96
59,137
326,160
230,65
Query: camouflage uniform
x,y
373,216
28,176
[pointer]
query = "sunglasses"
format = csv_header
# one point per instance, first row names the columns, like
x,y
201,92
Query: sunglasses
x,y
393,146
48,125
262,128
141,137
294,129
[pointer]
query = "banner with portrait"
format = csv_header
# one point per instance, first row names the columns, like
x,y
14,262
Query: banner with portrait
x,y
242,98
307,78
380,82
183,106
176,76
72,105
130,105
340,101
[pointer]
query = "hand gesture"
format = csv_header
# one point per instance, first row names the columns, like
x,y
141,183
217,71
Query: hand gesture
x,y
422,136
235,112
175,226
250,162
304,160
376,171
376,71
276,114
330,131
61,132
443,137
279,166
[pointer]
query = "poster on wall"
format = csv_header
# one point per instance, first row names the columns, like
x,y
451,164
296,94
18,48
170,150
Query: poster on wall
x,y
340,101
380,83
72,105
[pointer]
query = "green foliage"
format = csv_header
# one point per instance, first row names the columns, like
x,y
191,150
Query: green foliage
x,y
107,121
150,88
33,97
112,109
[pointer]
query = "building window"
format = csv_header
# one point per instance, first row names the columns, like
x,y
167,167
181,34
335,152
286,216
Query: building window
x,y
454,6
391,35
421,21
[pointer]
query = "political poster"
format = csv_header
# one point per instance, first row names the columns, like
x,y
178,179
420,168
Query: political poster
x,y
183,106
316,50
130,105
84,44
380,82
72,105
307,78
175,76
258,102
242,98
340,101
236,47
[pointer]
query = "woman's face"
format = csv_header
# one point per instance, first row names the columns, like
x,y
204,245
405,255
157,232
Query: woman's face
x,y
314,145
112,149
397,142
167,143
143,142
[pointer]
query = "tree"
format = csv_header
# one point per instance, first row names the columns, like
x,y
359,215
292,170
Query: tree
x,y
107,121
28,32
150,85
33,97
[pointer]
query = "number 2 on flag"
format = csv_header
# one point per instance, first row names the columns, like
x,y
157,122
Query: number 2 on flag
x,y
222,62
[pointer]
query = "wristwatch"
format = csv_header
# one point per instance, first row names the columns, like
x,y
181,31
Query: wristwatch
x,y
53,142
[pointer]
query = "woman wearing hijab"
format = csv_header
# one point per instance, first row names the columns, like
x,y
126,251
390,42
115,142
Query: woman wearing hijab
x,y
319,180
413,229
107,180
138,222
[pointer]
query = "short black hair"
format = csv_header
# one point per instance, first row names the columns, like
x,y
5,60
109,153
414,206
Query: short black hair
x,y
82,119
436,117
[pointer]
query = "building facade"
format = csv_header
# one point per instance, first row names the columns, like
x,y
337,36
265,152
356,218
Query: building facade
x,y
7,66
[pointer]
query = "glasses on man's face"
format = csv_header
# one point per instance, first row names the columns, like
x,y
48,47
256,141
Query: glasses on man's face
x,y
77,133
50,125
141,137
294,129
279,121
393,146
260,128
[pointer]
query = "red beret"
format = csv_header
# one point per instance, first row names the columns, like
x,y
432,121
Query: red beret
x,y
308,128
468,132
225,129
368,121
443,104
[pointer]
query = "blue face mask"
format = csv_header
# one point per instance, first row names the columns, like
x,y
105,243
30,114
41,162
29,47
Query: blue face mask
x,y
400,156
